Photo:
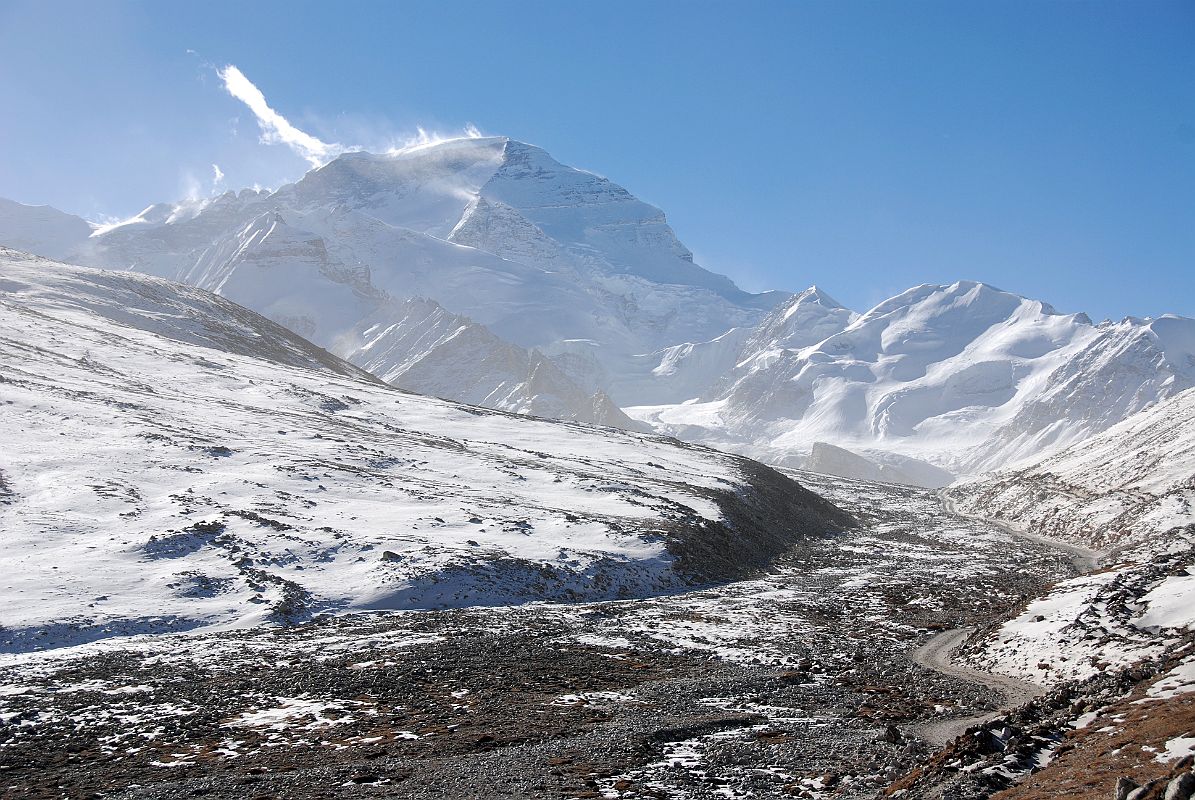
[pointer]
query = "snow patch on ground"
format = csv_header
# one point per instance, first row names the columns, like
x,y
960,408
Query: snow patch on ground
x,y
1170,605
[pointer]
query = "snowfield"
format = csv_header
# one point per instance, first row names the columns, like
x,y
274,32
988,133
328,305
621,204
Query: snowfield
x,y
171,460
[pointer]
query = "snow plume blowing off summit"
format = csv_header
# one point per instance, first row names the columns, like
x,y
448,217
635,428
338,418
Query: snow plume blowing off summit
x,y
275,128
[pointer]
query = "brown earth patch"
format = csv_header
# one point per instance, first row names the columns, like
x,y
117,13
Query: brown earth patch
x,y
1089,761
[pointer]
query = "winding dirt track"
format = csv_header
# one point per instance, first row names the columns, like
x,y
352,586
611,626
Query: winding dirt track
x,y
1084,559
935,654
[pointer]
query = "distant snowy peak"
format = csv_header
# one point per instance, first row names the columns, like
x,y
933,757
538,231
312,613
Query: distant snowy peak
x,y
930,322
813,295
603,226
540,253
705,369
425,189
468,190
42,230
965,377
805,319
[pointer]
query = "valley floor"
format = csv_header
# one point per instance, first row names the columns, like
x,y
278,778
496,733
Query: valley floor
x,y
799,682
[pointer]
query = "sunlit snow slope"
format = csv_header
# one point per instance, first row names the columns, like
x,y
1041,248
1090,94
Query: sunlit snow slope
x,y
1129,492
485,271
545,256
964,377
170,460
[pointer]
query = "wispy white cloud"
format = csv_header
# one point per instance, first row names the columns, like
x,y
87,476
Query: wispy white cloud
x,y
217,176
275,128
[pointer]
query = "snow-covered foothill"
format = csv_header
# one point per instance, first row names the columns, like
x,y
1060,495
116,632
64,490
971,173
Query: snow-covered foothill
x,y
1130,485
171,460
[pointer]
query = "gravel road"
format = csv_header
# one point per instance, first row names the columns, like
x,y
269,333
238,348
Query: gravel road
x,y
935,654
1083,558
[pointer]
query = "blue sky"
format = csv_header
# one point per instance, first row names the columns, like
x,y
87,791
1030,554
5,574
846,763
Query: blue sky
x,y
1045,147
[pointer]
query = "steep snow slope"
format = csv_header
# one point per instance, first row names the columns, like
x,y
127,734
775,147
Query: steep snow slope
x,y
36,287
691,370
417,345
289,275
1131,483
169,460
553,261
684,371
965,377
496,230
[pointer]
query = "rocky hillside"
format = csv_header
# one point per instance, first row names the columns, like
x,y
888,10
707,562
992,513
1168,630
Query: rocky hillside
x,y
1115,647
1132,483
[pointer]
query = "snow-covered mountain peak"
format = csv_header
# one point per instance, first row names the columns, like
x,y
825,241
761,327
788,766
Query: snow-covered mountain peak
x,y
964,376
962,297
804,320
426,189
932,322
41,229
1175,335
528,256
814,294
